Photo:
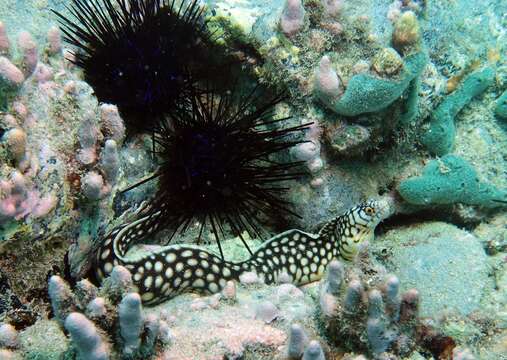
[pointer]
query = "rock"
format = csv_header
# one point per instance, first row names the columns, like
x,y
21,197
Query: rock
x,y
267,312
446,264
333,197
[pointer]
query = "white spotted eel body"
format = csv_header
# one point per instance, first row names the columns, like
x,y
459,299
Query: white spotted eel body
x,y
293,255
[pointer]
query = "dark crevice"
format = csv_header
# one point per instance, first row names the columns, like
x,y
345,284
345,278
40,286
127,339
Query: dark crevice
x,y
438,214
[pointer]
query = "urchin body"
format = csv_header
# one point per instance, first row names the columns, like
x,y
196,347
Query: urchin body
x,y
219,164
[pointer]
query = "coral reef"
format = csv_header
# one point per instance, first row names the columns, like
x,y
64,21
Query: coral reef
x,y
377,80
62,154
450,180
50,85
337,58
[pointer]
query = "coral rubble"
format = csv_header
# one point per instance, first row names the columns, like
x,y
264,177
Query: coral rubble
x,y
406,97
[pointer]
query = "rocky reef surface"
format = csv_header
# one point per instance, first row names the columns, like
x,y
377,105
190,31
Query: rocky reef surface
x,y
406,97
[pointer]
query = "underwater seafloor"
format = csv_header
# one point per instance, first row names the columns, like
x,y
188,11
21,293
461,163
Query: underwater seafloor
x,y
408,100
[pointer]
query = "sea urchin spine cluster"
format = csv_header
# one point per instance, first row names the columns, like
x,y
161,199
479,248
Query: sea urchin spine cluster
x,y
141,55
218,151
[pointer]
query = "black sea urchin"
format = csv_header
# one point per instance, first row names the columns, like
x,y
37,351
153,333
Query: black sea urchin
x,y
218,165
145,56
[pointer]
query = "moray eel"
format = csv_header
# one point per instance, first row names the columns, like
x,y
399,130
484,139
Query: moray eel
x,y
293,255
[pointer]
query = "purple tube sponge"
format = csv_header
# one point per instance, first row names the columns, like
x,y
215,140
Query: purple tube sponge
x,y
86,291
353,296
20,200
392,298
62,298
10,73
293,16
92,186
112,124
376,331
118,284
375,304
334,277
409,308
110,161
327,82
117,312
8,337
86,338
131,323
377,323
28,49
297,342
54,41
332,7
88,134
151,329
314,351
96,308
16,145
267,312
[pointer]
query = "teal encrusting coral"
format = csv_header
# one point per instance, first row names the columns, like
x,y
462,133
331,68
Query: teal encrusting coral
x,y
450,180
501,106
367,93
439,138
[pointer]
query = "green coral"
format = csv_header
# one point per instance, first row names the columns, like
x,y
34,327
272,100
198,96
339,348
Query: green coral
x,y
367,93
450,180
439,138
501,106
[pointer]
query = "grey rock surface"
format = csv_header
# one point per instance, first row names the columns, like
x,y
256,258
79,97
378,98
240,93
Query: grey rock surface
x,y
446,264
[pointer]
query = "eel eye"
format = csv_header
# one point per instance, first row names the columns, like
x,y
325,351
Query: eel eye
x,y
369,210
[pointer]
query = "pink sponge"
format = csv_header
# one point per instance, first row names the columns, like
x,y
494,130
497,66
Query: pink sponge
x,y
19,200
28,48
293,16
